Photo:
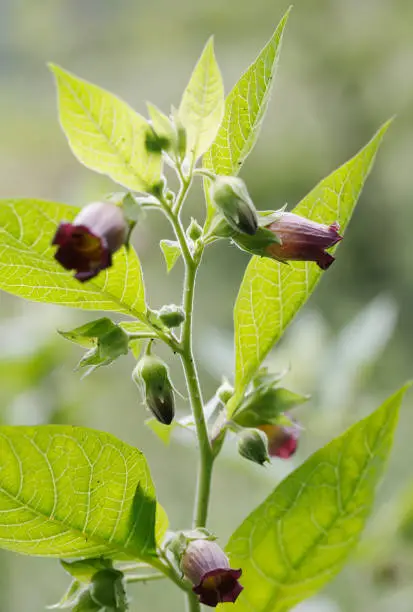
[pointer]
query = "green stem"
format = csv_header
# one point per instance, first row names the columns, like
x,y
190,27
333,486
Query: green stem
x,y
144,577
206,457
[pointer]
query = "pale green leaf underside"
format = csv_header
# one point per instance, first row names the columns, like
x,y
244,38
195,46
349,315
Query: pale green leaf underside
x,y
271,293
104,133
202,104
245,107
29,270
74,492
300,537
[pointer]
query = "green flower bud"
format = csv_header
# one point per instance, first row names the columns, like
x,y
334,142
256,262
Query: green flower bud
x,y
152,376
252,445
171,315
108,591
194,230
231,197
225,391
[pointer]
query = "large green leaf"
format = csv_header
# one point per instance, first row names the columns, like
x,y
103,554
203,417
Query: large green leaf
x,y
271,293
105,134
300,537
245,107
28,269
74,492
202,105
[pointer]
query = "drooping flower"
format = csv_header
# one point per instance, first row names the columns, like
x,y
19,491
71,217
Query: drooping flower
x,y
205,564
282,439
87,244
303,240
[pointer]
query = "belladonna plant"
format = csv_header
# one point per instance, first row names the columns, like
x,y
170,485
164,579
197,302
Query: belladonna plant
x,y
86,497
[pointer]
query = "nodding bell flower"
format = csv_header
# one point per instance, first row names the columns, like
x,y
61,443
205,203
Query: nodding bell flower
x,y
87,244
282,439
152,376
205,565
302,240
232,199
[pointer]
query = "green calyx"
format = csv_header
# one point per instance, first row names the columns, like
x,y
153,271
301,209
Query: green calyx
x,y
232,199
252,445
151,374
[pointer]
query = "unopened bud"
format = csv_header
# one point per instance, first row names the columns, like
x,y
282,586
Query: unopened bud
x,y
225,391
252,445
152,376
171,315
194,230
231,197
108,591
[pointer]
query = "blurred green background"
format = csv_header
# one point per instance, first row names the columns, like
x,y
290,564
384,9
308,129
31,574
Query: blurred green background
x,y
345,68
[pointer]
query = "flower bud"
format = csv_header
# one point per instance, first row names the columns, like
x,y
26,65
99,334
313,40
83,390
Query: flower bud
x,y
252,445
225,391
194,230
206,566
152,376
282,439
231,197
171,315
87,244
108,591
303,240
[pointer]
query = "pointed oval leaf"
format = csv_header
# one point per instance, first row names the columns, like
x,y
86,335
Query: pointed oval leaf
x,y
28,268
171,252
300,537
105,134
202,105
272,293
245,107
74,492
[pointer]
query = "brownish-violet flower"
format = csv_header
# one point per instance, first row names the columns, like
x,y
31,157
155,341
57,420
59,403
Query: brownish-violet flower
x,y
205,564
282,439
87,244
303,240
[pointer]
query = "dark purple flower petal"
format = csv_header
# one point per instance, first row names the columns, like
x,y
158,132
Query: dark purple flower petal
x,y
219,586
87,244
303,240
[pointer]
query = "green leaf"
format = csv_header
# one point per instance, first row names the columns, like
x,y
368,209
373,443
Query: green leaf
x,y
105,134
84,569
171,252
245,108
106,341
265,407
300,537
271,293
202,104
28,268
74,492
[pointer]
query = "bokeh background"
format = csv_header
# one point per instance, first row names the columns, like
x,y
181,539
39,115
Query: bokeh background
x,y
346,67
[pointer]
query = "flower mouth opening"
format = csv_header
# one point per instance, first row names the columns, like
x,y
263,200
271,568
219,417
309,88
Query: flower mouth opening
x,y
219,586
